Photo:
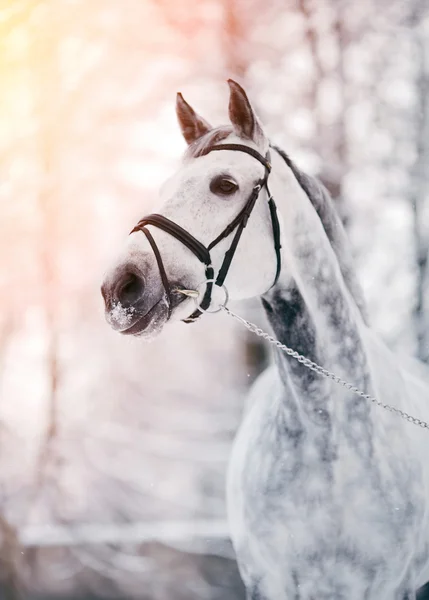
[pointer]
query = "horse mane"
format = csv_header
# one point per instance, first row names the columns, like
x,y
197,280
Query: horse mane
x,y
325,208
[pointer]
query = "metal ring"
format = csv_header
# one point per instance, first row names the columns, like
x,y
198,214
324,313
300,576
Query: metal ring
x,y
221,305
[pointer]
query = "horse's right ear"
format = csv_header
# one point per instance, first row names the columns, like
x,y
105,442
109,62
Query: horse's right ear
x,y
243,118
192,125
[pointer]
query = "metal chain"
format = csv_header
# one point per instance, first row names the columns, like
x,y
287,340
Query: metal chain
x,y
321,371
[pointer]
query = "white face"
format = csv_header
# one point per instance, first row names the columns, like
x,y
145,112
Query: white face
x,y
203,197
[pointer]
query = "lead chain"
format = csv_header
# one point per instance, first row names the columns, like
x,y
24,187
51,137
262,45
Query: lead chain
x,y
321,371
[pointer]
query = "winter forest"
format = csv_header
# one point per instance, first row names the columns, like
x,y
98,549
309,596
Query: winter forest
x,y
113,451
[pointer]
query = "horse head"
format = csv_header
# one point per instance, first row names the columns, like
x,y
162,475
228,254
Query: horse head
x,y
206,200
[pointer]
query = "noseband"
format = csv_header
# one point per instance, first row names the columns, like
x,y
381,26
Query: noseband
x,y
203,253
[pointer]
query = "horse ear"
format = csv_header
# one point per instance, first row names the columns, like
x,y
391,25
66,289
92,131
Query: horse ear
x,y
192,125
242,116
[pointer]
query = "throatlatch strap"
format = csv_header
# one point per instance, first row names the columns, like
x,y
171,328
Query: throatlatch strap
x,y
276,232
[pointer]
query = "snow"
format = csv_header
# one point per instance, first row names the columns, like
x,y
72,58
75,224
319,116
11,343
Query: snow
x,y
120,315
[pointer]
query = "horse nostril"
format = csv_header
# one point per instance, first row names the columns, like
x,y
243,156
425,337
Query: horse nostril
x,y
129,289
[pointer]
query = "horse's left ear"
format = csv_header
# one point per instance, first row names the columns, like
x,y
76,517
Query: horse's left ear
x,y
245,122
192,125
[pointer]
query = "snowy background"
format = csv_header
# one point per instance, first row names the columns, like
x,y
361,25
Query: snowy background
x,y
113,452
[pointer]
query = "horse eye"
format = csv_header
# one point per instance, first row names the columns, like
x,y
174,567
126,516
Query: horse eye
x,y
223,186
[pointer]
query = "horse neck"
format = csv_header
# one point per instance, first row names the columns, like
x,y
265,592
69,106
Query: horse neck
x,y
312,307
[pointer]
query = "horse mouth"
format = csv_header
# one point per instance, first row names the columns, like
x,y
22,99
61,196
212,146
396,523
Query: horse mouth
x,y
155,318
157,315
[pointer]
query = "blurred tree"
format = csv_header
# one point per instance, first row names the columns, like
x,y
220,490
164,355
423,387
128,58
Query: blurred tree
x,y
10,561
48,104
419,186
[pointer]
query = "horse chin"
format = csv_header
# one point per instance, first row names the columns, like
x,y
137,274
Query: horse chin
x,y
146,326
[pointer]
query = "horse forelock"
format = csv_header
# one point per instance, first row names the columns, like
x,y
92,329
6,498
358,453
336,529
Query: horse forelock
x,y
212,137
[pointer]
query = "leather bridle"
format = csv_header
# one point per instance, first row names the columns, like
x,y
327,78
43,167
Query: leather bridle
x,y
202,252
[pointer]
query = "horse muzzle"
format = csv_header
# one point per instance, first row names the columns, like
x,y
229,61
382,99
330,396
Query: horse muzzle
x,y
136,304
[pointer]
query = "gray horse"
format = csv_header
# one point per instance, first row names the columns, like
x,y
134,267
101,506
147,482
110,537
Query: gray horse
x,y
328,496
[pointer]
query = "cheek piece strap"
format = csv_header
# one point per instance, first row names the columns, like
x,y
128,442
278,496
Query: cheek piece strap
x,y
202,252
